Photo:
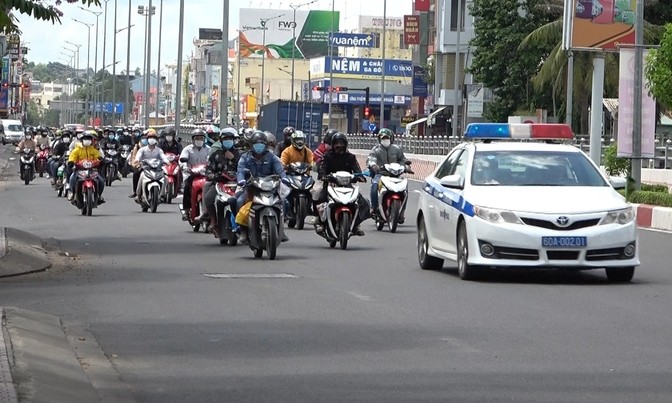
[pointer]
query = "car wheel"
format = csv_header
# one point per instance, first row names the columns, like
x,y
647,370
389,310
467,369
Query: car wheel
x,y
464,269
426,262
620,274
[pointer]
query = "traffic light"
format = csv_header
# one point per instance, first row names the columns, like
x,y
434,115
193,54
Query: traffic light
x,y
316,88
367,111
340,89
5,85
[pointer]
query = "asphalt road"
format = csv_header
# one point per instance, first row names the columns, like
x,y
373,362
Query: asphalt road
x,y
364,324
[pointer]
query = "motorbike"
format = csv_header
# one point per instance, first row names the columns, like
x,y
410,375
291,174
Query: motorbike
x,y
124,167
152,182
199,172
173,178
42,158
265,223
86,193
341,209
28,165
392,196
226,219
300,183
110,165
61,176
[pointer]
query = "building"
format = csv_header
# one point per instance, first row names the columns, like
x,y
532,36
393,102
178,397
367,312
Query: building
x,y
395,48
44,93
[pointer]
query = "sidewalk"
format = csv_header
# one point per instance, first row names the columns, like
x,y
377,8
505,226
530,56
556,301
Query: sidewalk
x,y
21,253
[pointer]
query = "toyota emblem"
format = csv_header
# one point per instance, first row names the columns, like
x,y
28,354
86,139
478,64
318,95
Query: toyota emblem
x,y
562,221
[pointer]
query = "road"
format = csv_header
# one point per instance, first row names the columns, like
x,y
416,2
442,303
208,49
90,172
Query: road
x,y
364,324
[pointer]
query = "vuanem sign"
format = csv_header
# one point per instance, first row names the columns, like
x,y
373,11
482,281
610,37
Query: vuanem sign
x,y
338,39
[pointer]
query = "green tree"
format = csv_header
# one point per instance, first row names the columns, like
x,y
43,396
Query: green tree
x,y
499,28
37,9
51,118
138,72
33,114
658,12
659,70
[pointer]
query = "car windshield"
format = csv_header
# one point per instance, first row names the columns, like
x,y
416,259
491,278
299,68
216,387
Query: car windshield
x,y
534,168
14,128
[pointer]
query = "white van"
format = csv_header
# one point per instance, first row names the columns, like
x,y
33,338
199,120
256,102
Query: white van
x,y
11,131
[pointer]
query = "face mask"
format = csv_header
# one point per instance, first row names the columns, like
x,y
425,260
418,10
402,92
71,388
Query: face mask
x,y
259,148
66,140
151,141
44,134
227,144
198,143
144,142
169,138
385,143
86,143
29,137
79,136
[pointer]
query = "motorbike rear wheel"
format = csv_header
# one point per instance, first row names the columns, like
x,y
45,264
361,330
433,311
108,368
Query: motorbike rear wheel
x,y
301,213
90,199
110,175
169,193
393,220
222,228
344,228
154,199
40,169
272,238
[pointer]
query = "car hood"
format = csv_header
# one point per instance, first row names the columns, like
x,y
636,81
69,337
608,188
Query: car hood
x,y
551,199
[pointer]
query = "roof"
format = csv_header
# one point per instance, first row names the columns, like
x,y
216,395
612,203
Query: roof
x,y
612,106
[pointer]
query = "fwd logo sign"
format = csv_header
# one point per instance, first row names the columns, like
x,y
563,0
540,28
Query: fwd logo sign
x,y
286,24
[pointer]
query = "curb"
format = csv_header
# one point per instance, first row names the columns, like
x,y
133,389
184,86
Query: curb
x,y
21,253
44,365
4,159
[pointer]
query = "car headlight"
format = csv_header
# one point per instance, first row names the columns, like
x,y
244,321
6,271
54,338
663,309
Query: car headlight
x,y
496,216
623,216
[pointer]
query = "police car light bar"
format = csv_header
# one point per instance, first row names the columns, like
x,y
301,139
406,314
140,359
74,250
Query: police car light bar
x,y
534,131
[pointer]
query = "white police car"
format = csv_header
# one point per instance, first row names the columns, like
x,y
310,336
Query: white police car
x,y
494,203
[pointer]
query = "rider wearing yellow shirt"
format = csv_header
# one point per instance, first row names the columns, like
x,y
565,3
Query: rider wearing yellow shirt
x,y
85,151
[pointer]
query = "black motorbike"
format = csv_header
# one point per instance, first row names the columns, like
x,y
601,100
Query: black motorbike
x,y
300,182
265,223
110,165
27,165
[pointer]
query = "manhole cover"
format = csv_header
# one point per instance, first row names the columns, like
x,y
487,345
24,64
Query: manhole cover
x,y
249,275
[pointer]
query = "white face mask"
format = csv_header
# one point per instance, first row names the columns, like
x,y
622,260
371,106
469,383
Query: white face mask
x,y
86,143
66,140
169,138
198,143
385,143
151,141
28,137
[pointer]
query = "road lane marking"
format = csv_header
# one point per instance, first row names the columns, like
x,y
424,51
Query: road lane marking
x,y
459,345
360,297
249,275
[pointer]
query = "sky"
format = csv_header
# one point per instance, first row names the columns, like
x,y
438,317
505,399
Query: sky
x,y
198,14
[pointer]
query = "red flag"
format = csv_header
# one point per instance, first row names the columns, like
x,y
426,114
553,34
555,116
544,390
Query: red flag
x,y
421,5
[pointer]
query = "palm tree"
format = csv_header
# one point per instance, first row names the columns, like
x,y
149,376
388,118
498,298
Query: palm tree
x,y
552,74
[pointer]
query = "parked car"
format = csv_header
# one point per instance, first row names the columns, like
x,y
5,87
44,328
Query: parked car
x,y
11,131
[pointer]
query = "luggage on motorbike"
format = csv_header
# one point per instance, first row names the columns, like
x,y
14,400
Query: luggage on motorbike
x,y
243,214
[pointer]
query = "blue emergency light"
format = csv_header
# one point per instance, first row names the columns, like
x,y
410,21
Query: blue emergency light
x,y
534,131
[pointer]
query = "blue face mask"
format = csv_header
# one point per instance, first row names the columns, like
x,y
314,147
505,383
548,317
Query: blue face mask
x,y
144,142
259,148
227,144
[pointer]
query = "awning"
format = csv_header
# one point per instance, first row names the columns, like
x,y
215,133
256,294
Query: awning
x,y
414,123
612,106
431,119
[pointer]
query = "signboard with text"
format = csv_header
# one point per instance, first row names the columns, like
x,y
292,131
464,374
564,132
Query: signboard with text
x,y
419,82
351,67
337,39
421,5
602,25
412,29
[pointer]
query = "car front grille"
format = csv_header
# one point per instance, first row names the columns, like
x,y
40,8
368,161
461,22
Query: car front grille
x,y
562,254
551,225
605,254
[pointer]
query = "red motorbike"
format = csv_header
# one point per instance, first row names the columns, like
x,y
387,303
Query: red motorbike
x,y
173,177
199,173
86,192
42,158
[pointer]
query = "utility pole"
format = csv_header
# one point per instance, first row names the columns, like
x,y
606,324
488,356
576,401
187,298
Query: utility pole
x,y
178,90
224,75
636,167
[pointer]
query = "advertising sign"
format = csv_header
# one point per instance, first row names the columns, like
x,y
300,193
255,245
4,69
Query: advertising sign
x,y
475,102
421,5
600,24
337,39
14,47
351,67
312,33
369,22
211,34
412,29
626,94
4,92
419,82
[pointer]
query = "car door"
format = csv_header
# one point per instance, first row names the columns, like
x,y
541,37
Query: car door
x,y
454,198
437,208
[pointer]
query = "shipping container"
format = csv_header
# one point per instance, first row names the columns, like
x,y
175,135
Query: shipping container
x,y
304,116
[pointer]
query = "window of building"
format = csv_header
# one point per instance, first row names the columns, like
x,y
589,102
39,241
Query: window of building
x,y
376,40
402,44
453,14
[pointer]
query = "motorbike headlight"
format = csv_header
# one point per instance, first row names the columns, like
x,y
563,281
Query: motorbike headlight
x,y
309,185
87,164
623,216
496,216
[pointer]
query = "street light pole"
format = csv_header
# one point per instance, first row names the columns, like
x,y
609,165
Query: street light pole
x,y
128,66
263,56
149,63
114,65
294,7
88,68
224,75
75,52
381,119
95,63
238,84
178,90
331,63
158,62
101,94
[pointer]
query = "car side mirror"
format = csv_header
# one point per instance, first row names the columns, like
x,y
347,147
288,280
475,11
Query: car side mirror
x,y
617,182
452,181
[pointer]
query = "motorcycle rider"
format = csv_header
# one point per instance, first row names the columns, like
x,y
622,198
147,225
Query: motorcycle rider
x,y
27,142
168,143
151,150
340,159
270,137
244,140
192,155
296,152
60,147
223,158
85,152
124,137
42,137
211,135
260,162
287,140
324,146
110,142
386,152
79,132
142,141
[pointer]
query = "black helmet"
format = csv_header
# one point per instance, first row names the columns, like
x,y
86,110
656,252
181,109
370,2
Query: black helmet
x,y
170,131
328,136
288,131
120,132
198,132
338,136
259,137
29,130
270,139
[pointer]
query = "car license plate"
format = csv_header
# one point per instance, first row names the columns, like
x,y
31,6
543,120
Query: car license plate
x,y
564,242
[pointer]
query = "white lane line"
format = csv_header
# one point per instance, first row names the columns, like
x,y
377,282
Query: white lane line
x,y
360,297
249,275
460,345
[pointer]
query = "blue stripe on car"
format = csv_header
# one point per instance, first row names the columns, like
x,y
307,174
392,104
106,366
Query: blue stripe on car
x,y
433,188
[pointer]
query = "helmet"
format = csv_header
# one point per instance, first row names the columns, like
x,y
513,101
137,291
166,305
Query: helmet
x,y
58,133
89,134
151,133
170,131
339,137
259,137
120,132
29,130
385,133
197,133
298,139
328,135
270,139
229,132
288,131
212,129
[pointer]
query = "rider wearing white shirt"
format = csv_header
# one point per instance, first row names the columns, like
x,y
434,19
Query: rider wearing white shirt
x,y
150,151
192,155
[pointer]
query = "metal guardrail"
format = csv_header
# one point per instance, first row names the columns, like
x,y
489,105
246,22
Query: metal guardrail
x,y
441,145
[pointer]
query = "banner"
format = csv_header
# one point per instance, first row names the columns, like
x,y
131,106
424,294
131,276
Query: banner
x,y
419,82
352,67
337,39
421,5
4,92
626,94
475,102
600,24
412,29
311,27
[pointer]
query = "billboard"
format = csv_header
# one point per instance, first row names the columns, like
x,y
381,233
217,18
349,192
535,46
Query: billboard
x,y
421,5
599,24
337,39
352,67
419,82
4,92
412,29
312,33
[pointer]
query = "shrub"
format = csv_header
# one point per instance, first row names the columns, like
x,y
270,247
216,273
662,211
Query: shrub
x,y
652,198
615,165
655,188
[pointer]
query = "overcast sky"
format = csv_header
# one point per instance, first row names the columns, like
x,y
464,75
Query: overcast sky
x,y
198,14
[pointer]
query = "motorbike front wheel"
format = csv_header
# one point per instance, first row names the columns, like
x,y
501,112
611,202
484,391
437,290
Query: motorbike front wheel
x,y
111,175
154,199
395,209
301,212
169,192
272,238
41,169
344,227
90,198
